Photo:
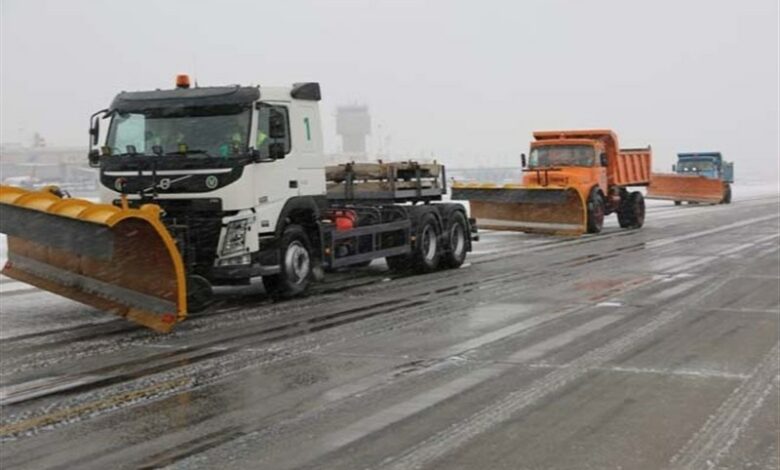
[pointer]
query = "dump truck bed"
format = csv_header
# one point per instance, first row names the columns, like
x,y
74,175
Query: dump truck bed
x,y
631,167
386,181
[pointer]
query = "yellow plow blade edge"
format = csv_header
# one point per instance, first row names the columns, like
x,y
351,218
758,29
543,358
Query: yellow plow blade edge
x,y
690,188
557,211
122,261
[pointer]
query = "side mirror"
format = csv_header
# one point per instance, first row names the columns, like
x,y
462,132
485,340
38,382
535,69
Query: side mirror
x,y
94,126
674,168
603,159
522,160
94,158
276,150
94,130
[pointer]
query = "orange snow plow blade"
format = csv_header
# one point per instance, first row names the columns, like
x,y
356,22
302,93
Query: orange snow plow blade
x,y
557,211
119,260
689,188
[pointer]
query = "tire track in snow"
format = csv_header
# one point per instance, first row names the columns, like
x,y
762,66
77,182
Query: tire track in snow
x,y
714,440
461,432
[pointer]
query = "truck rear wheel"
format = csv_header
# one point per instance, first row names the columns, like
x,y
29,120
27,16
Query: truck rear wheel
x,y
455,240
296,264
595,212
631,214
427,250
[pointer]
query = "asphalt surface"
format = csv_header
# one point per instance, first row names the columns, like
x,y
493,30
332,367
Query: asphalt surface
x,y
647,349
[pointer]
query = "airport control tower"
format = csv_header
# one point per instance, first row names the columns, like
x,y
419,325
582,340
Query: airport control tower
x,y
353,124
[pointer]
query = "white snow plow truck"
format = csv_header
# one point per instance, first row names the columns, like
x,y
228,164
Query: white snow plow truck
x,y
216,186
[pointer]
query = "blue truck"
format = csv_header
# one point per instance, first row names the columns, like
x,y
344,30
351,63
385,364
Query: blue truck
x,y
699,177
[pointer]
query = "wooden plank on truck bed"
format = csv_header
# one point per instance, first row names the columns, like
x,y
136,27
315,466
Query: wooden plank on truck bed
x,y
382,170
407,180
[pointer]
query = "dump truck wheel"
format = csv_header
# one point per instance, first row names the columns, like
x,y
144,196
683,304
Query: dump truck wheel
x,y
631,214
427,249
199,293
625,212
727,196
455,240
677,203
296,268
595,212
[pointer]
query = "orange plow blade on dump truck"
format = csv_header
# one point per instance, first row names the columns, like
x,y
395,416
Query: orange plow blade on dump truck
x,y
691,188
115,259
558,211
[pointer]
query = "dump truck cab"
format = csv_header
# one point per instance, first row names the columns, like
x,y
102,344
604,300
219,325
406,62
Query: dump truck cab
x,y
566,162
707,164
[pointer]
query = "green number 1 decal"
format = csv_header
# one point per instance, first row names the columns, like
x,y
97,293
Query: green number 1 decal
x,y
308,129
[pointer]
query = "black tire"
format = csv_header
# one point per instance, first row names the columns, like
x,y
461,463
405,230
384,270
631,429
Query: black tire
x,y
199,293
677,203
727,195
596,212
455,240
296,264
631,214
426,253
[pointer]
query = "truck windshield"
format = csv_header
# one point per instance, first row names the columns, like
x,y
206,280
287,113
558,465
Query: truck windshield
x,y
696,166
216,131
562,155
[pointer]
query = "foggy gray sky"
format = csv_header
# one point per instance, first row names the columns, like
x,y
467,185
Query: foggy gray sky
x,y
465,81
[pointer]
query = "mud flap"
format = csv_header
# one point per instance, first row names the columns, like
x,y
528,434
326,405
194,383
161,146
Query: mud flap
x,y
533,210
122,261
690,188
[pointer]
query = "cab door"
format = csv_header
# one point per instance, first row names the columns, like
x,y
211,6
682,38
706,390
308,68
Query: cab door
x,y
308,148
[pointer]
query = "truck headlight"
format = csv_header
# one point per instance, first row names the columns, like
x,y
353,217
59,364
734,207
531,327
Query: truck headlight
x,y
239,260
235,237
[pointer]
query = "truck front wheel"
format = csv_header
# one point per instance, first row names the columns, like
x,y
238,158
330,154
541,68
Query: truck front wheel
x,y
727,195
296,264
595,212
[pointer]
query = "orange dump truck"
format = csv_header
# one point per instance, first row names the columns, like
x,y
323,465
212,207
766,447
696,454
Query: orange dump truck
x,y
571,181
